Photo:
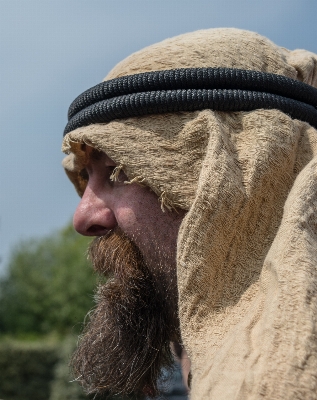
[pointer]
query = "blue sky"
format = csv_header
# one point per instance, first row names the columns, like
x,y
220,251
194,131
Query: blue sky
x,y
52,50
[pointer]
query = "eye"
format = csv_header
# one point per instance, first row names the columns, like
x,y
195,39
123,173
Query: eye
x,y
84,174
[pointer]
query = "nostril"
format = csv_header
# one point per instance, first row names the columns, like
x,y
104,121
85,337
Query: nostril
x,y
97,230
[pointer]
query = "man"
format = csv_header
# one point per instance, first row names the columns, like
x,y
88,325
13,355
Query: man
x,y
200,183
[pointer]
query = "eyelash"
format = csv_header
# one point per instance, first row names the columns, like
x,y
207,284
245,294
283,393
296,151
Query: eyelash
x,y
84,174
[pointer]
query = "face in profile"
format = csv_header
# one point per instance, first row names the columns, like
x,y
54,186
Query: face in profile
x,y
126,341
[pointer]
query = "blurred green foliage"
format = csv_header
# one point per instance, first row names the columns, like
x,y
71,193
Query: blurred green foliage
x,y
27,369
45,294
39,370
48,286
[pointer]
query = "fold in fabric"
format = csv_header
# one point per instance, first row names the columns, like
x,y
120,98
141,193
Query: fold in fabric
x,y
247,247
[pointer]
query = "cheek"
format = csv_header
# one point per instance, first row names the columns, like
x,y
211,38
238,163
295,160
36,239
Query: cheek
x,y
127,218
137,213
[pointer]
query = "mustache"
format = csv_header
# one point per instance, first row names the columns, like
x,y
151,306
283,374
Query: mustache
x,y
114,254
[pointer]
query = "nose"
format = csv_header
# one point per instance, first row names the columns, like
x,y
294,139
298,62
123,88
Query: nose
x,y
93,217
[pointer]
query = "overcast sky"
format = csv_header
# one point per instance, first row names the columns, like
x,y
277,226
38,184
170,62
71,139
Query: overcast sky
x,y
52,50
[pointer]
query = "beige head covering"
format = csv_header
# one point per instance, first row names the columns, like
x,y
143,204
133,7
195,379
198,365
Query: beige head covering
x,y
247,248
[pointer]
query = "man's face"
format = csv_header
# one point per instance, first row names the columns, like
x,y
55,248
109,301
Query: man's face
x,y
135,209
127,340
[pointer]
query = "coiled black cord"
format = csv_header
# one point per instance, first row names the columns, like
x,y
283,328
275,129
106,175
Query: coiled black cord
x,y
191,89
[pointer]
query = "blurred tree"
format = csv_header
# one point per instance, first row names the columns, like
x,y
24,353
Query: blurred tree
x,y
48,286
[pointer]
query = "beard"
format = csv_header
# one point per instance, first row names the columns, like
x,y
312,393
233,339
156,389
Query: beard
x,y
125,344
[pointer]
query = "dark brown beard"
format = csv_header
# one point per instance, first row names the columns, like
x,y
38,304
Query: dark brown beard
x,y
126,342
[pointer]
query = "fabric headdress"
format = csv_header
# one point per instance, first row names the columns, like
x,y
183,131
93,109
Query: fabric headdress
x,y
247,248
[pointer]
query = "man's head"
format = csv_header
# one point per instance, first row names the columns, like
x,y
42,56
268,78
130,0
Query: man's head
x,y
231,172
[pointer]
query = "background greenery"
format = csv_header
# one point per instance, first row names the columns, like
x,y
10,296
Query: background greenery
x,y
27,369
48,286
44,297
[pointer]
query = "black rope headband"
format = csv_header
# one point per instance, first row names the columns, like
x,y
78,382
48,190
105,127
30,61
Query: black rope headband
x,y
191,89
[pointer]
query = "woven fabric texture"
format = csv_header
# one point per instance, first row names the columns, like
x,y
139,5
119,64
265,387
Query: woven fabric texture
x,y
247,247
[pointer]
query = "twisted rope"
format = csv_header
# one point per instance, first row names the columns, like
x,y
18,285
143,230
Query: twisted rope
x,y
192,89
